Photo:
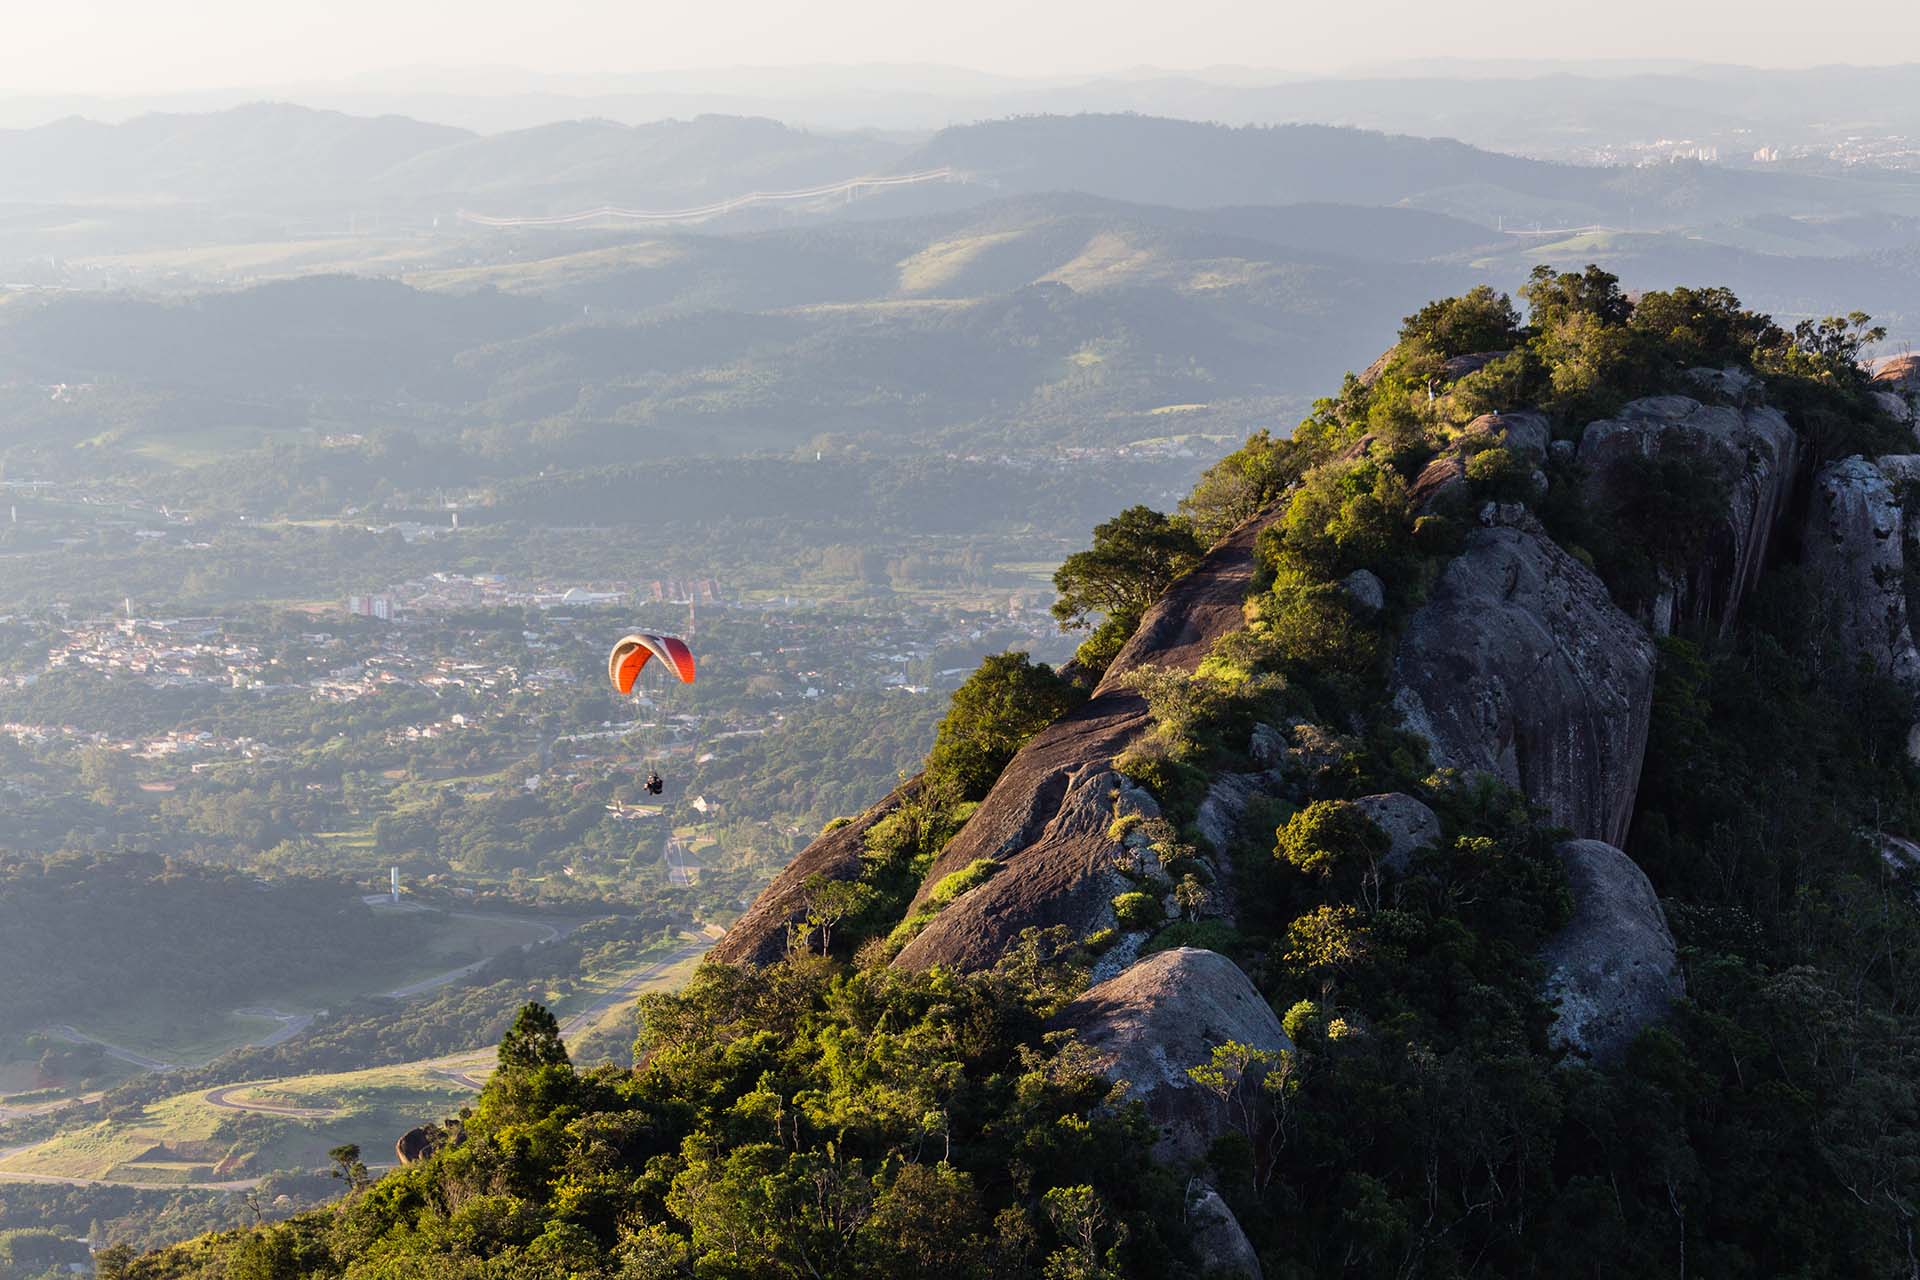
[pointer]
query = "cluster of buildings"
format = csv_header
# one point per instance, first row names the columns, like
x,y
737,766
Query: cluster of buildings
x,y
445,592
178,651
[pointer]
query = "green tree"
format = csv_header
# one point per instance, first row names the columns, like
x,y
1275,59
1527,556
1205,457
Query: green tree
x,y
533,1041
1329,838
1007,700
1476,321
1134,558
347,1165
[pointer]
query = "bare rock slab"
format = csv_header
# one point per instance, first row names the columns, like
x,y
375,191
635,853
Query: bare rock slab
x,y
1165,1014
1612,970
1521,666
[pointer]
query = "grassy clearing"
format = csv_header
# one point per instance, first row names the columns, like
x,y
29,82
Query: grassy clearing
x,y
939,265
187,1138
194,448
554,272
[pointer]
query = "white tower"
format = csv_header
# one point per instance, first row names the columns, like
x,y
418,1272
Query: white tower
x,y
393,878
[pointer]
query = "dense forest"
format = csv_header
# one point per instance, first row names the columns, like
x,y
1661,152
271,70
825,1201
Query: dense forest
x,y
82,931
838,1115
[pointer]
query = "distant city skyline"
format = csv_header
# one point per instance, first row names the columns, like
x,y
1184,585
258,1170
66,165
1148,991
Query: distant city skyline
x,y
106,47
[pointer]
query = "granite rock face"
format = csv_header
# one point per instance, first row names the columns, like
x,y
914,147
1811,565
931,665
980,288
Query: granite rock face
x,y
1521,666
1855,548
1520,431
1163,1015
760,937
1754,453
1047,818
1220,1246
1612,969
1409,824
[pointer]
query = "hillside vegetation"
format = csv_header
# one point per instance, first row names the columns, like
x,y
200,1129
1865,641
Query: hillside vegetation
x,y
1431,1099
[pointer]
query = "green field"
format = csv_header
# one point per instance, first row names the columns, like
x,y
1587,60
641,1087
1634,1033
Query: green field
x,y
240,1132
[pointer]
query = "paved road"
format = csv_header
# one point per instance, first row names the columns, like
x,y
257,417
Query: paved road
x,y
291,1024
73,1035
45,1108
218,1098
553,934
579,1022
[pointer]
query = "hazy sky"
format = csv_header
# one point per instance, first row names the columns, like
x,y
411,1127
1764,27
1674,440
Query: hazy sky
x,y
104,46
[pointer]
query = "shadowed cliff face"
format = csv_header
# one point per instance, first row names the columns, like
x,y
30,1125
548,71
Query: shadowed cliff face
x,y
1520,665
1753,451
1046,819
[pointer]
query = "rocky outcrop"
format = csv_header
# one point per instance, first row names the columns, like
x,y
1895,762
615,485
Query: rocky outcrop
x,y
1409,825
1442,486
1162,1016
761,935
1899,374
1440,483
1047,819
1734,383
420,1143
1857,544
1855,550
1755,454
1521,666
1523,432
1612,970
1220,1247
1365,589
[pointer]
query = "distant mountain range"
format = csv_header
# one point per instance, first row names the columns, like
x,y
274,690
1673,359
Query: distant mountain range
x,y
1543,108
290,160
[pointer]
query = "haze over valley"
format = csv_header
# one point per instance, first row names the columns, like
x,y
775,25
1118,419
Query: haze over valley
x,y
1383,580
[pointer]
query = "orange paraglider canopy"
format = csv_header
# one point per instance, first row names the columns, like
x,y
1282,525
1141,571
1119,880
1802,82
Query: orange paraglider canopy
x,y
631,654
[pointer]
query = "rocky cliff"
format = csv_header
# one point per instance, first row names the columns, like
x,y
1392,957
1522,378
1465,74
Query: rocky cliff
x,y
1521,666
1047,820
1750,451
761,936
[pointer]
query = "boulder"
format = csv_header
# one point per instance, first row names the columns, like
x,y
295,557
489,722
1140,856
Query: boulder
x,y
419,1143
1733,382
1894,406
1409,824
1365,589
1228,797
1167,1013
1612,970
1220,1247
1755,453
1440,483
1899,373
1521,666
1457,367
1523,432
1047,818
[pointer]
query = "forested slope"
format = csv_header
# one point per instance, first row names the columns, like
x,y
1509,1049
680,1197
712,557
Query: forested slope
x,y
1518,885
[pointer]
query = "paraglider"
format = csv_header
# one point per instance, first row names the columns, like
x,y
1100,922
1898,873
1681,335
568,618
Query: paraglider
x,y
631,656
634,651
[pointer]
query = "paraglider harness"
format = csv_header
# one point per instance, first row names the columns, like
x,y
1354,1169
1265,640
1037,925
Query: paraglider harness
x,y
654,783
